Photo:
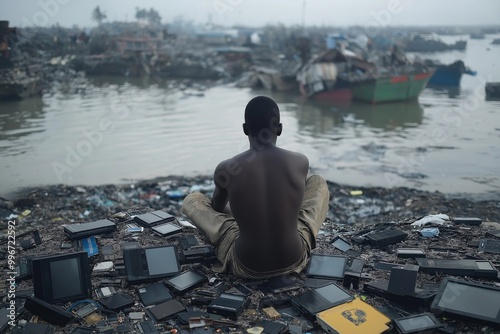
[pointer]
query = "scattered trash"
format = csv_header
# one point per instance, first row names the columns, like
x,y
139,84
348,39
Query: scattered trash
x,y
356,192
365,255
439,219
429,232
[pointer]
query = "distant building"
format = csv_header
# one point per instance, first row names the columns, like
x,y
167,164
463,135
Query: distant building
x,y
138,44
217,37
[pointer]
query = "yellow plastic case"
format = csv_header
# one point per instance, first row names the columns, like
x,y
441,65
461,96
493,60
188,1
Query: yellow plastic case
x,y
352,318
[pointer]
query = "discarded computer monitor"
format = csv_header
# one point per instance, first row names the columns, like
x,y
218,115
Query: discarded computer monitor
x,y
418,323
467,220
403,279
352,273
419,299
78,231
280,284
387,237
62,278
319,299
466,299
166,229
341,244
352,318
412,253
83,230
326,266
150,219
197,254
228,305
48,312
387,266
154,294
472,268
29,239
272,327
186,281
147,264
117,301
489,246
165,310
187,241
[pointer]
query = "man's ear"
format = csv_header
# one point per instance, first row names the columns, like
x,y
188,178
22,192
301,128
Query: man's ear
x,y
279,129
245,129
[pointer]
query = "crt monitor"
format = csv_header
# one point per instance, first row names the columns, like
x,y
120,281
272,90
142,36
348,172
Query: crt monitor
x,y
62,278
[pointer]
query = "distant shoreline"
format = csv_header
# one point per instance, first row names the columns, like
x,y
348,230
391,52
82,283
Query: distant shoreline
x,y
23,191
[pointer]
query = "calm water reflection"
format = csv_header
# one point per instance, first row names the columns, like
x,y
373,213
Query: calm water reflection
x,y
20,120
125,128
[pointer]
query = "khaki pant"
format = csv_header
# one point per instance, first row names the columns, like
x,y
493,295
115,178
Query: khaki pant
x,y
221,229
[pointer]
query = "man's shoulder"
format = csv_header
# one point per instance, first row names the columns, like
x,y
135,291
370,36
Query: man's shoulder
x,y
230,161
295,155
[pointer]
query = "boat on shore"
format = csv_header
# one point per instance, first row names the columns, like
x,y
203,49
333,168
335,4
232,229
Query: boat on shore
x,y
449,75
340,76
331,75
429,43
392,88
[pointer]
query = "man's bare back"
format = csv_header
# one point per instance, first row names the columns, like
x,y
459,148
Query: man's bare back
x,y
265,192
265,212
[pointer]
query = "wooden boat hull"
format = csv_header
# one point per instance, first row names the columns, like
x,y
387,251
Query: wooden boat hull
x,y
20,89
393,88
446,77
341,95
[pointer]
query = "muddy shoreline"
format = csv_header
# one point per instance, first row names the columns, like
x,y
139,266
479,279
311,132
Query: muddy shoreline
x,y
366,205
354,211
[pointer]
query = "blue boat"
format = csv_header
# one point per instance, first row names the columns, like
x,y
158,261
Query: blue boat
x,y
450,75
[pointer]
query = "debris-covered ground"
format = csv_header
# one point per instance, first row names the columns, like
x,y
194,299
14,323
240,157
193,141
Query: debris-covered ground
x,y
354,214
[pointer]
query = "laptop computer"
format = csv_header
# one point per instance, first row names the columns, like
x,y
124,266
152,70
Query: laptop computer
x,y
154,294
153,218
320,299
165,310
78,231
457,267
146,264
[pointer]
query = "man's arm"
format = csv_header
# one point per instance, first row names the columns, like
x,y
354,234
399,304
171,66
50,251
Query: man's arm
x,y
220,197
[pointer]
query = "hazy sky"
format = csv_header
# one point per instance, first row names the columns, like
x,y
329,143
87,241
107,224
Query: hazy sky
x,y
260,12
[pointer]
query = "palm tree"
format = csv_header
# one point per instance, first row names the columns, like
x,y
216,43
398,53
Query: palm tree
x,y
98,15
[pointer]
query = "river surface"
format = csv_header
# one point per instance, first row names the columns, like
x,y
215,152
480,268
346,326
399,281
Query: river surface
x,y
112,130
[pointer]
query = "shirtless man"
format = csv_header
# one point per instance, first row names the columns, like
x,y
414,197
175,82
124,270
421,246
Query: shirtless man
x,y
275,210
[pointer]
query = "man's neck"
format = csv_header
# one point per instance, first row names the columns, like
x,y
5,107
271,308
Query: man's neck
x,y
259,145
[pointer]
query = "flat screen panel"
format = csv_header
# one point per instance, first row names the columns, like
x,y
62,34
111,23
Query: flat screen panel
x,y
327,266
66,278
333,293
161,260
166,228
185,280
232,296
484,265
341,244
470,299
418,323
